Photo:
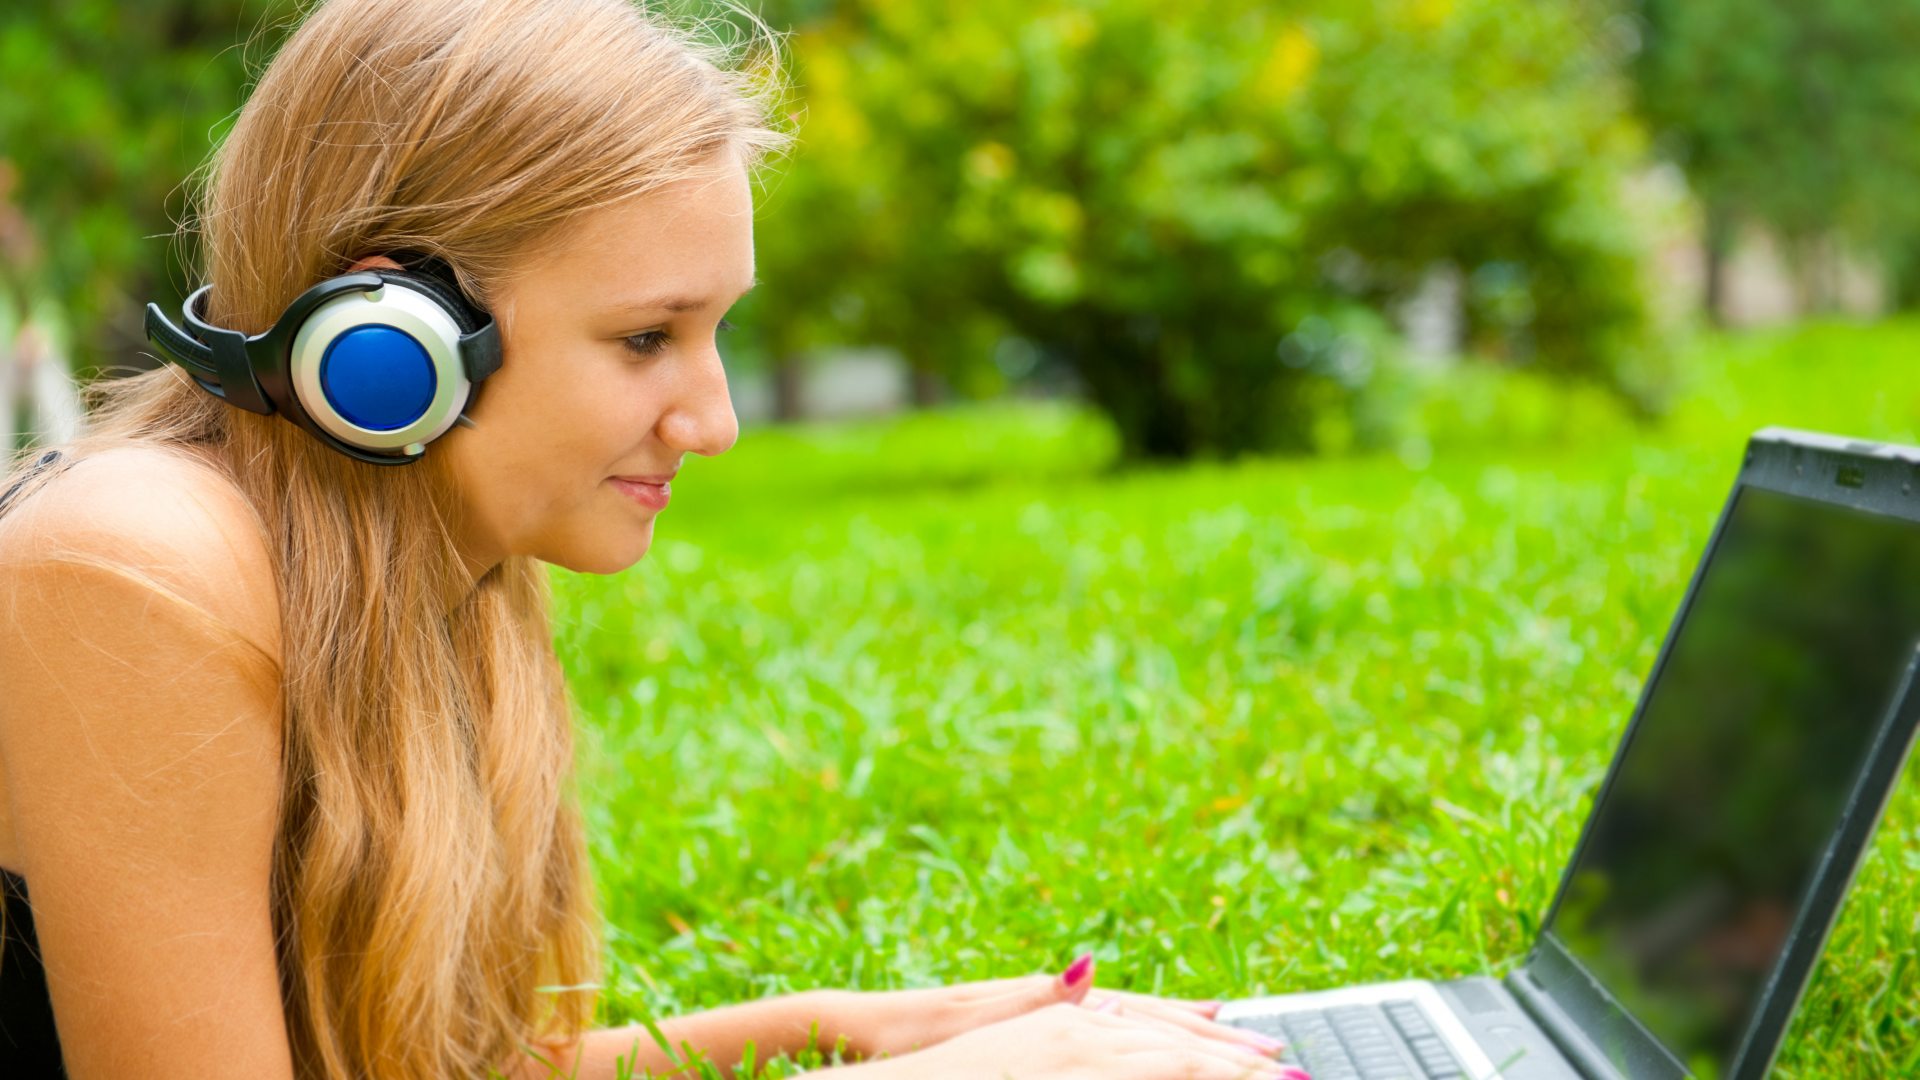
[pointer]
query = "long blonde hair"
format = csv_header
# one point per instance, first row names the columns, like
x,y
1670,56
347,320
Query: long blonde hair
x,y
431,894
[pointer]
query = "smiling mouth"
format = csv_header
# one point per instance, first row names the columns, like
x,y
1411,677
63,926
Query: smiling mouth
x,y
652,496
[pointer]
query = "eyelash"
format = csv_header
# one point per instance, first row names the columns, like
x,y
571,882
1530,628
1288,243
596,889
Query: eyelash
x,y
655,340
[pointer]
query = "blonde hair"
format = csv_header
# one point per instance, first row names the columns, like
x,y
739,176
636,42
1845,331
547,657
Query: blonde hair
x,y
430,875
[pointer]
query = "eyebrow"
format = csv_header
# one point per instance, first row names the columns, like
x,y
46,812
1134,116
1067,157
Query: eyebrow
x,y
670,303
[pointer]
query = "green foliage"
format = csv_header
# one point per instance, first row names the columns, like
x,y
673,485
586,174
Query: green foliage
x,y
1797,116
106,109
1162,197
1176,203
1237,728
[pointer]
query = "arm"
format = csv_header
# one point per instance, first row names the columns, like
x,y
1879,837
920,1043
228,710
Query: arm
x,y
1054,1041
139,749
872,1024
775,1026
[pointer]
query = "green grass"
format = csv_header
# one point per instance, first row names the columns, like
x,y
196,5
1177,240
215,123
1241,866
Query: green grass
x,y
947,698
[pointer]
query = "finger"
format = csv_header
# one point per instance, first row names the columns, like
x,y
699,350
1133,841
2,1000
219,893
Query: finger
x,y
1198,1025
1203,1063
974,993
1004,999
1127,1033
1153,1042
1203,1008
1177,1025
1187,1025
1076,980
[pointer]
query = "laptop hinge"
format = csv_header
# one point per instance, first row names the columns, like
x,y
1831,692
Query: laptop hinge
x,y
1592,1028
1585,1057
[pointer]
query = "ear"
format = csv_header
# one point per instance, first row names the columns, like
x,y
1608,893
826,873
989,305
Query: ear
x,y
373,262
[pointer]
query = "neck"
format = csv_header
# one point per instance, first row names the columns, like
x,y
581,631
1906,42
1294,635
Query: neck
x,y
474,545
462,582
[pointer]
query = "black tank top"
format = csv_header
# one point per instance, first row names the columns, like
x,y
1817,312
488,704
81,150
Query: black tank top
x,y
29,1045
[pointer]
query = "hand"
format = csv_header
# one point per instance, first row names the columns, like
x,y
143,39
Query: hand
x,y
901,1021
1068,1042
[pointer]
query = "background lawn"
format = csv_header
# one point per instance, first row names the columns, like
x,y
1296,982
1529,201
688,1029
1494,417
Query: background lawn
x,y
946,698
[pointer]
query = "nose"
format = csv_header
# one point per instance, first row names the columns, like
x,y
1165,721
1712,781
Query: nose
x,y
700,419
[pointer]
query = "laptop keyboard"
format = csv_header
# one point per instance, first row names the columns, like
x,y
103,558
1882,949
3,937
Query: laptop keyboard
x,y
1390,1041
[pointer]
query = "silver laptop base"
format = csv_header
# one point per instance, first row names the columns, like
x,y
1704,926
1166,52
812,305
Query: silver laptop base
x,y
1479,1022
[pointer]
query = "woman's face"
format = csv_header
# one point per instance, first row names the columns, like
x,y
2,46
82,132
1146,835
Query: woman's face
x,y
574,405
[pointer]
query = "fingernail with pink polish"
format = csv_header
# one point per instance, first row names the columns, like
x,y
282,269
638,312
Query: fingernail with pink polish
x,y
1294,1074
1077,972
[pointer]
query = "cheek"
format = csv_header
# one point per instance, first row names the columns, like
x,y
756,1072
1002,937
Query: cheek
x,y
562,434
519,458
621,404
559,418
590,431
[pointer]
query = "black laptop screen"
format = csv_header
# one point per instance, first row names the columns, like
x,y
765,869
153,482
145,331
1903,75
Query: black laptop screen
x,y
1696,860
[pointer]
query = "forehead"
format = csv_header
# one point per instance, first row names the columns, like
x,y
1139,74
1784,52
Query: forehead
x,y
694,234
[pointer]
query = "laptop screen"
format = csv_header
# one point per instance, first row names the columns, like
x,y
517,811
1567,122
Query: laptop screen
x,y
1698,856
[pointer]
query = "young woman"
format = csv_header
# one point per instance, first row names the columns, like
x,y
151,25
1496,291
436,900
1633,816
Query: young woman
x,y
284,746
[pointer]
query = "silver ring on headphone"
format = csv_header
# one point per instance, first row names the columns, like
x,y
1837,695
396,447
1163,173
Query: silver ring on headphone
x,y
404,309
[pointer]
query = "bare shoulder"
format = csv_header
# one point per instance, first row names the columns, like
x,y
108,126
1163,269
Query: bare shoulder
x,y
140,761
162,517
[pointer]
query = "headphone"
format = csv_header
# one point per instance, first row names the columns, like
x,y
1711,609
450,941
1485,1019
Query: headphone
x,y
375,364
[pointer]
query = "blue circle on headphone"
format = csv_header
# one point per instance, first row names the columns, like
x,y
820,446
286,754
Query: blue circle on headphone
x,y
377,377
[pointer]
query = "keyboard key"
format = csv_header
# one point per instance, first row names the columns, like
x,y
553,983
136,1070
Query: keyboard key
x,y
1266,1025
1394,1041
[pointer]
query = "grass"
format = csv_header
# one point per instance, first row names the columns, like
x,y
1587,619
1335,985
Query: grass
x,y
947,698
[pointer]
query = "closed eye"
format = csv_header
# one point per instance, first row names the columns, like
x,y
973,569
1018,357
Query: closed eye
x,y
651,342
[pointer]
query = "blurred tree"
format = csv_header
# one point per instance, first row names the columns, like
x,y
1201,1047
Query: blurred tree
x,y
795,313
1796,116
839,239
1204,208
106,109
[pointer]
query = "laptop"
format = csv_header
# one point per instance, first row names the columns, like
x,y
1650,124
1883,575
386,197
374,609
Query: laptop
x,y
1751,776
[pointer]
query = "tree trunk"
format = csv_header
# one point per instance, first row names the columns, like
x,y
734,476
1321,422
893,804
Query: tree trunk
x,y
1716,245
1813,259
1903,273
926,388
788,375
1833,259
1125,380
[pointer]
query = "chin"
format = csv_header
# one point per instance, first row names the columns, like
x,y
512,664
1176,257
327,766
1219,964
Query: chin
x,y
610,558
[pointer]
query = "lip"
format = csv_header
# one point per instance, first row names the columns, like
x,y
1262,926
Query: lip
x,y
653,496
